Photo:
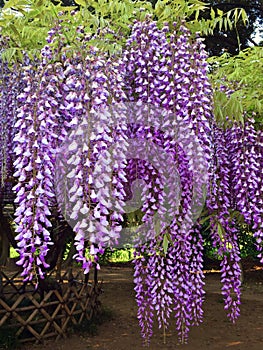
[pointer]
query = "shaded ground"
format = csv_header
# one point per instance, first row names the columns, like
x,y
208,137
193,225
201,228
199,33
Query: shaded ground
x,y
216,332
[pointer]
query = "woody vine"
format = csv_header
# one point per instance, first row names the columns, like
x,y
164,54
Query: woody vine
x,y
43,102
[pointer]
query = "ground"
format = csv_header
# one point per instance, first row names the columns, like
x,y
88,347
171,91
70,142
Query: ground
x,y
216,332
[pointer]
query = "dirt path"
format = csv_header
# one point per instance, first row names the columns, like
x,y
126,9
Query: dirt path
x,y
216,332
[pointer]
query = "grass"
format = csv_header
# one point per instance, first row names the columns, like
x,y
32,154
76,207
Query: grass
x,y
115,255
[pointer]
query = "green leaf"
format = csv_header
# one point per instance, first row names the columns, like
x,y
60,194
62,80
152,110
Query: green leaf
x,y
221,23
8,54
165,243
212,13
10,3
236,16
244,17
157,227
230,24
205,219
15,30
220,12
220,231
81,2
40,3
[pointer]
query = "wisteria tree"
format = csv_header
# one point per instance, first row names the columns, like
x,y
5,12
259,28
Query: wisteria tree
x,y
80,125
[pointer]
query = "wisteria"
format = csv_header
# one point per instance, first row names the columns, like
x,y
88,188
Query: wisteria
x,y
236,190
11,85
245,149
35,146
81,128
160,74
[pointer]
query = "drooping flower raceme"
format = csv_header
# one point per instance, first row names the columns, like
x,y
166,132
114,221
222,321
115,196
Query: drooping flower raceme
x,y
160,74
236,190
91,170
11,84
35,141
245,151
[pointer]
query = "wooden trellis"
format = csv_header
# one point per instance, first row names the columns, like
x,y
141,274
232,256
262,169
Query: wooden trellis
x,y
37,315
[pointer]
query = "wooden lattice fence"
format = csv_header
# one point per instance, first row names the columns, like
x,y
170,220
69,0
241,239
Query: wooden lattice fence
x,y
35,315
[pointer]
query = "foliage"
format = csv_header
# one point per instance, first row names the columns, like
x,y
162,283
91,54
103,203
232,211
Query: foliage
x,y
238,84
27,22
115,255
238,36
247,242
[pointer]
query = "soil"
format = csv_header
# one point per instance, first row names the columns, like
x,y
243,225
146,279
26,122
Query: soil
x,y
216,332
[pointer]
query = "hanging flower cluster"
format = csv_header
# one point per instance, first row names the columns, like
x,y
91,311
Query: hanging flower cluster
x,y
223,231
236,190
170,74
56,98
245,151
90,85
10,86
35,141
